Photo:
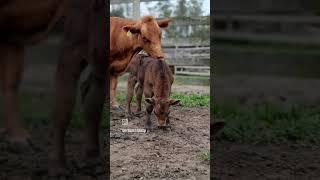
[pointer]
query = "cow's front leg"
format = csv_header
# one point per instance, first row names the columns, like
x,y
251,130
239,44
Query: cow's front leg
x,y
11,68
67,74
114,83
92,110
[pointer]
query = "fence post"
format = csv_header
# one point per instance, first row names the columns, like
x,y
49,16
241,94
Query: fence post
x,y
136,9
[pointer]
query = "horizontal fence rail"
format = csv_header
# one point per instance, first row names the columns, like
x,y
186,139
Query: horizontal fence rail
x,y
270,18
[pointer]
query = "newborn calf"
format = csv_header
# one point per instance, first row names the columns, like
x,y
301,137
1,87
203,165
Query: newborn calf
x,y
154,79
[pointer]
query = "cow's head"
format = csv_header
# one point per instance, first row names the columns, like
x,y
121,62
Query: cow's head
x,y
161,109
147,32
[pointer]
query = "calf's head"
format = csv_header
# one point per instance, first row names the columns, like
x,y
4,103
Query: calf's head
x,y
147,33
161,109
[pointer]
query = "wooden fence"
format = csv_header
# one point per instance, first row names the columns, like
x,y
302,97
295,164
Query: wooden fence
x,y
292,29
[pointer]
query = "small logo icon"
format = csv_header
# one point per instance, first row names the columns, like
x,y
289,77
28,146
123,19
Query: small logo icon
x,y
124,122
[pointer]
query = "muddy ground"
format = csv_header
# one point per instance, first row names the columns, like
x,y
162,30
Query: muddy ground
x,y
270,162
18,163
161,154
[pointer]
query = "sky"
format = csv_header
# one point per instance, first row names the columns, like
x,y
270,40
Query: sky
x,y
145,6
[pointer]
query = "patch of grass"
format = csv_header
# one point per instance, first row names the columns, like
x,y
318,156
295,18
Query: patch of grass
x,y
205,156
180,79
187,100
269,123
35,109
192,100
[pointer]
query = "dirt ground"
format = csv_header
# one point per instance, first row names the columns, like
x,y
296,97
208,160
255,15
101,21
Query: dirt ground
x,y
270,162
161,154
32,163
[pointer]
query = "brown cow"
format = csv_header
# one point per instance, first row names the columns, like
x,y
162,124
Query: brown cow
x,y
129,37
154,80
23,23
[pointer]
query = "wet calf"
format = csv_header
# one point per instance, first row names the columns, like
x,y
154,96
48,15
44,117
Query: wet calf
x,y
154,79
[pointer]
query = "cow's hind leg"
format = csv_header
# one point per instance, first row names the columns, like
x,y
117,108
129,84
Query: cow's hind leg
x,y
11,62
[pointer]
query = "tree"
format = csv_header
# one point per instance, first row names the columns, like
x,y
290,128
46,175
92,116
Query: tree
x,y
117,12
181,11
195,10
165,10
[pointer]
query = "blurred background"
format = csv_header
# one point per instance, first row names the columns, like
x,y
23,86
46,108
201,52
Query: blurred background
x,y
266,81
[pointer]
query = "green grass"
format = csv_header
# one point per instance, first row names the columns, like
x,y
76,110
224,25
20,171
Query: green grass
x,y
187,100
268,123
205,156
37,109
181,80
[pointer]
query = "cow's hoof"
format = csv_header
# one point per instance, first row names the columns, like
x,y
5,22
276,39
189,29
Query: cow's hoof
x,y
18,142
18,136
21,146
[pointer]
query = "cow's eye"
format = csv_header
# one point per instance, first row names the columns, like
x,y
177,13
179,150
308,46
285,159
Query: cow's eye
x,y
145,40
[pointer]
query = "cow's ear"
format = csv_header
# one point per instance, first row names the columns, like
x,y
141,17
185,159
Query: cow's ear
x,y
150,100
163,23
174,102
132,28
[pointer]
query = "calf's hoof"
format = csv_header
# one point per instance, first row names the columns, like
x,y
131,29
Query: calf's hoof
x,y
138,114
167,127
129,115
148,127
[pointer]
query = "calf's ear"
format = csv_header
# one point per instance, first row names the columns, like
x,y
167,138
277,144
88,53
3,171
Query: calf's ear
x,y
174,102
132,28
163,23
150,100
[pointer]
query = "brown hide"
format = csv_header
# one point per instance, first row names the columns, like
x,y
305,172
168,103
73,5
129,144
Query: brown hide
x,y
24,22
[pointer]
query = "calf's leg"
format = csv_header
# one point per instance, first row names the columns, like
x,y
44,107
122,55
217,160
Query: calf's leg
x,y
139,92
11,69
149,108
130,88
